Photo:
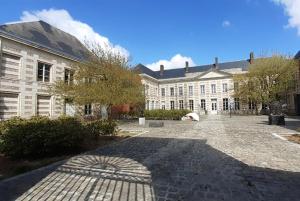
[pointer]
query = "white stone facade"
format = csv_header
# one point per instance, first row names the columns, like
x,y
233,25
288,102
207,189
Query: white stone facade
x,y
21,94
186,93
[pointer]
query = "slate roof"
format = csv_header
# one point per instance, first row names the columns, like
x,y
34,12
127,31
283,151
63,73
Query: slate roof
x,y
45,36
180,72
297,56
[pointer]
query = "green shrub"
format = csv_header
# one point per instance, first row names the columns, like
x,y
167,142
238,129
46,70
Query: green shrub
x,y
165,114
101,127
40,136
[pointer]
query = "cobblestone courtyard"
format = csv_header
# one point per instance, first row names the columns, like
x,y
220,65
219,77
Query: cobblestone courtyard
x,y
217,158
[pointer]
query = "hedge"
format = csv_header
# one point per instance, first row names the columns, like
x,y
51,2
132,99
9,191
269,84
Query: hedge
x,y
165,114
40,136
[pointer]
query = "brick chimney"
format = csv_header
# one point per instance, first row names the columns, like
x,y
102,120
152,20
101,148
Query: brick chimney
x,y
162,70
186,66
216,63
251,59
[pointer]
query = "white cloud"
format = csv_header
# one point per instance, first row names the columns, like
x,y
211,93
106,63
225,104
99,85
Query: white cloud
x,y
292,10
177,61
64,21
226,23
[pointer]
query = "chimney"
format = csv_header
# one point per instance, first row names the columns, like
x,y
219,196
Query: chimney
x,y
161,70
216,63
186,66
251,57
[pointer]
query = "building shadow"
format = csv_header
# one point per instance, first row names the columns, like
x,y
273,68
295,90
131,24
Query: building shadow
x,y
147,168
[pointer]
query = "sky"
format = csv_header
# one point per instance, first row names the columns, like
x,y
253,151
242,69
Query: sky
x,y
170,32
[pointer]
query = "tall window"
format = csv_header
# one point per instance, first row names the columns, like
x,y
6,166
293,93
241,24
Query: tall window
x,y
181,104
236,103
225,103
163,92
190,90
147,105
251,105
180,91
191,105
225,87
43,72
152,105
172,91
202,89
172,105
163,106
68,76
203,105
236,86
88,109
213,88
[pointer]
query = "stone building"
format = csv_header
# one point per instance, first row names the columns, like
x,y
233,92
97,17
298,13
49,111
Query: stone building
x,y
33,55
202,89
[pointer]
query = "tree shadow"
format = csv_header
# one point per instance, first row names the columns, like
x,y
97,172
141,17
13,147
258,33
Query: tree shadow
x,y
291,122
147,168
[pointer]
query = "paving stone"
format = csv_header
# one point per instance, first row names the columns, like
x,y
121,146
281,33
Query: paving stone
x,y
218,158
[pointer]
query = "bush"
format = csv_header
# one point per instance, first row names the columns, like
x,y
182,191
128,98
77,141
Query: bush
x,y
165,114
101,127
40,136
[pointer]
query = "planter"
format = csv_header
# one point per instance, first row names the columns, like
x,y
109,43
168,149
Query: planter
x,y
276,120
142,121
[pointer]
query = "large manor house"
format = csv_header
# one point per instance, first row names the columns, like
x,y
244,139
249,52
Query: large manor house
x,y
33,55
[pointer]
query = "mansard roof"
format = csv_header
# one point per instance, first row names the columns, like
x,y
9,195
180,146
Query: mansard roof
x,y
44,36
180,72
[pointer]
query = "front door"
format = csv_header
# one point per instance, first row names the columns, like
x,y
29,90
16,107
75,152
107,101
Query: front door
x,y
214,106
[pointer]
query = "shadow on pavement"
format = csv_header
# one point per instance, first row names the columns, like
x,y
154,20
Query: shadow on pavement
x,y
145,168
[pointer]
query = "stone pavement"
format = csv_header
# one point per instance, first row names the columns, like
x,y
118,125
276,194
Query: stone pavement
x,y
218,158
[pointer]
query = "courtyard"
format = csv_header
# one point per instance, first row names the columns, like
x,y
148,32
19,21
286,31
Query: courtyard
x,y
218,158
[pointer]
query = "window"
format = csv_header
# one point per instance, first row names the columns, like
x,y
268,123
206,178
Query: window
x,y
225,103
163,92
180,91
236,103
202,104
251,105
191,105
88,109
172,91
152,105
148,105
43,72
181,104
172,105
68,76
163,106
202,89
190,90
225,87
236,86
213,88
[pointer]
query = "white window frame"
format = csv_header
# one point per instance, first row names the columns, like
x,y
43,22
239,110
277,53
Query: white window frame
x,y
225,87
213,88
44,70
202,89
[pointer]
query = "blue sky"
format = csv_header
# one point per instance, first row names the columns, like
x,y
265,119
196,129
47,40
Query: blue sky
x,y
155,31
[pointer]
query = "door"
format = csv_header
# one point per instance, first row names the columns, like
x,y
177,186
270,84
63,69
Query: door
x,y
214,108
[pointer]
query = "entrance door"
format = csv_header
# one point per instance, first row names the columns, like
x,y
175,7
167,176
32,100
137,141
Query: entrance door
x,y
213,106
